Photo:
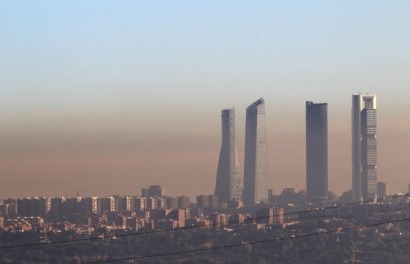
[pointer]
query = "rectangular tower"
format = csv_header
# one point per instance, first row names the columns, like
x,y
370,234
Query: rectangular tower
x,y
229,183
316,151
256,167
364,147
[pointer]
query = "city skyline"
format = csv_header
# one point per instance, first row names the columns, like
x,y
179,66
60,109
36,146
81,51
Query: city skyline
x,y
99,98
361,104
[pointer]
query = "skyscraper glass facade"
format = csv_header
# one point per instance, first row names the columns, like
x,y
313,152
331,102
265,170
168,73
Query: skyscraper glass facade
x,y
364,147
229,183
256,168
316,151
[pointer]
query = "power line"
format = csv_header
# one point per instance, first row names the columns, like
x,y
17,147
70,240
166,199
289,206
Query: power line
x,y
174,229
249,243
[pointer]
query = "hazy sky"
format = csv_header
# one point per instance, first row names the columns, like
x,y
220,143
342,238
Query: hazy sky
x,y
107,97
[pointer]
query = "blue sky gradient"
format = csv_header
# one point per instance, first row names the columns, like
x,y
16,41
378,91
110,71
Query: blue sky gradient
x,y
126,82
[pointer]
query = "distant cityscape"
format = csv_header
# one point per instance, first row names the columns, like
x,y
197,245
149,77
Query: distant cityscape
x,y
242,212
210,132
154,209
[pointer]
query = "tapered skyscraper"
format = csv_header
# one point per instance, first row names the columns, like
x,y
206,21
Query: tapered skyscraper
x,y
256,168
316,151
364,147
229,183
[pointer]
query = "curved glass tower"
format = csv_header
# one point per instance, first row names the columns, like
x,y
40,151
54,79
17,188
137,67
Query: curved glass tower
x,y
256,167
229,183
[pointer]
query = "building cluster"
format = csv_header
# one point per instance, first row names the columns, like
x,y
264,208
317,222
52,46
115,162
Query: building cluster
x,y
153,209
251,187
150,211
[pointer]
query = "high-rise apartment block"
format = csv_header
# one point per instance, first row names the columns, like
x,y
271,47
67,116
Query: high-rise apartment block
x,y
256,168
153,190
364,147
207,201
33,206
382,189
183,202
229,183
316,151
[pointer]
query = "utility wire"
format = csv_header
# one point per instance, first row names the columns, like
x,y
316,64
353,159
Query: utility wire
x,y
174,229
248,243
336,206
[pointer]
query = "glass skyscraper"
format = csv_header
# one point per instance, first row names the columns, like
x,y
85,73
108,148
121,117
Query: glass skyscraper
x,y
364,147
316,151
256,168
229,183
